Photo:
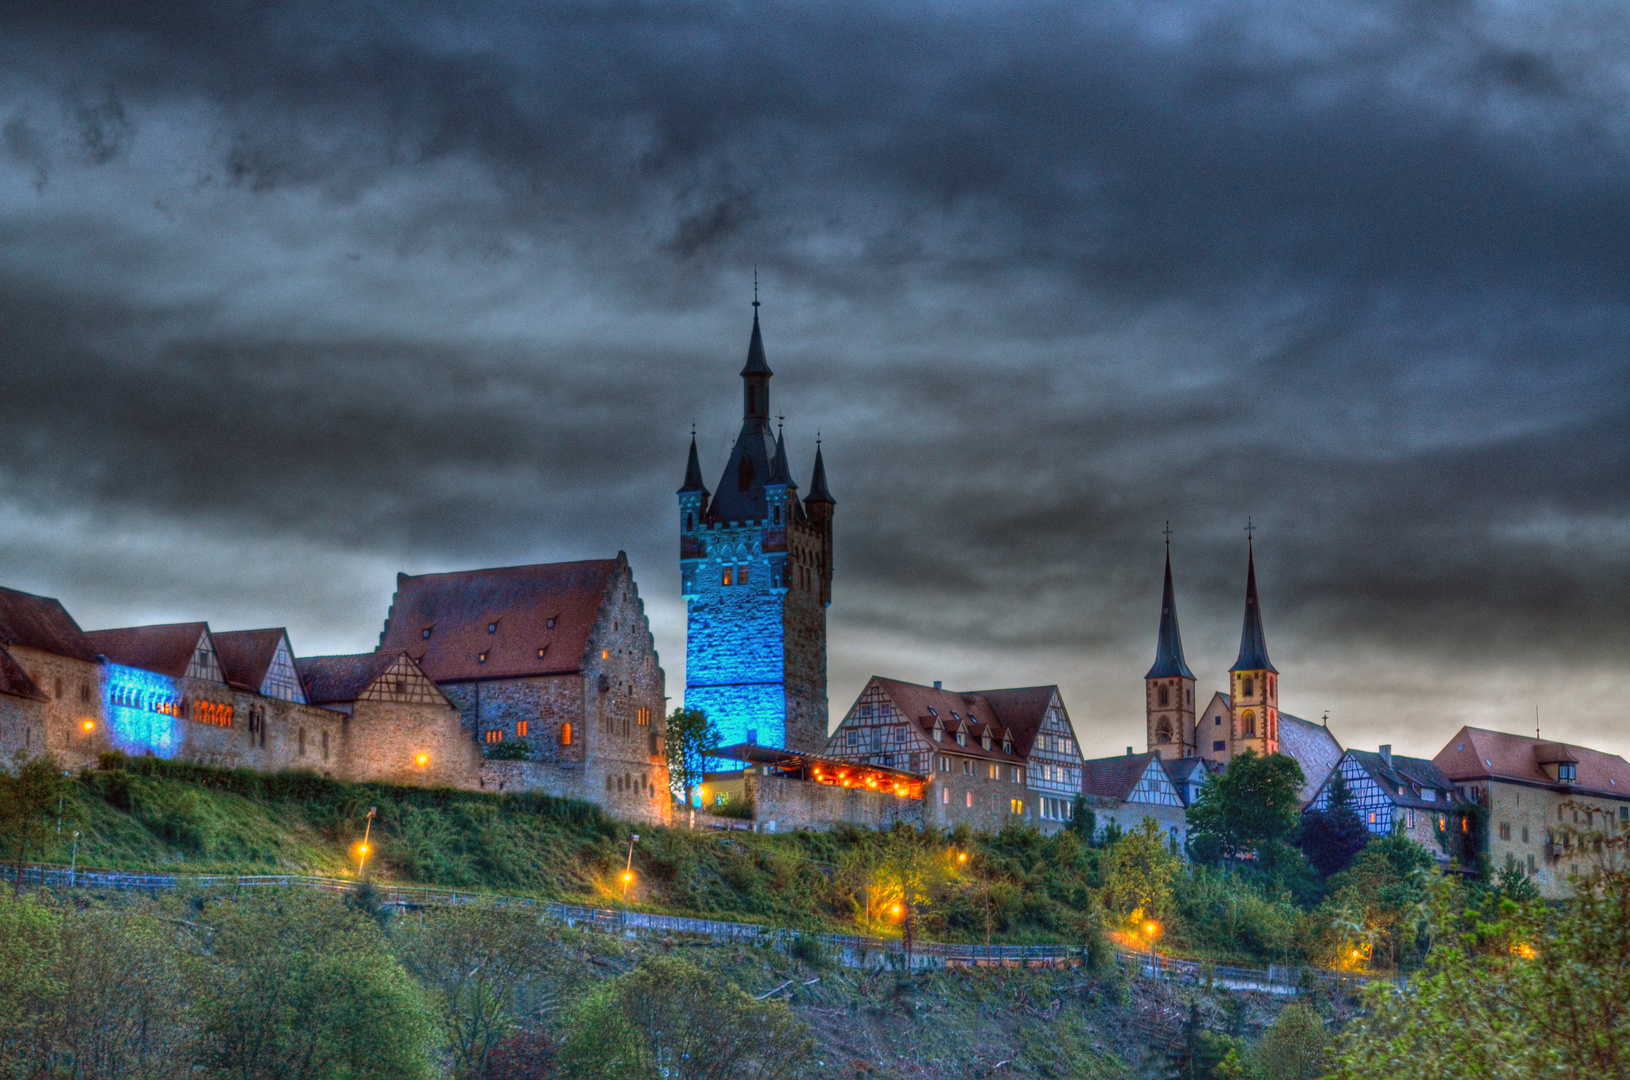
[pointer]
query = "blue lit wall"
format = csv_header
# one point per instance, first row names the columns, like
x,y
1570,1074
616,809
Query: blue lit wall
x,y
141,712
734,648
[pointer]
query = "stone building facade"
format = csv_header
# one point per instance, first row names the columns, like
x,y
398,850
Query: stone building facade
x,y
756,576
558,657
1128,789
1545,803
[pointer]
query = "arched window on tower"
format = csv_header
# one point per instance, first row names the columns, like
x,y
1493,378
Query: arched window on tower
x,y
1165,695
1248,725
1247,686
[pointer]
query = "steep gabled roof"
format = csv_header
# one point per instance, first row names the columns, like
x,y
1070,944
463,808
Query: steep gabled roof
x,y
1115,777
921,703
341,680
1480,754
245,656
1169,660
1253,645
39,622
740,493
458,608
818,492
15,681
1313,747
693,474
165,649
1022,710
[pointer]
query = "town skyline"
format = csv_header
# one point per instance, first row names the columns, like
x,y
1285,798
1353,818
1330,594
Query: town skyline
x,y
278,327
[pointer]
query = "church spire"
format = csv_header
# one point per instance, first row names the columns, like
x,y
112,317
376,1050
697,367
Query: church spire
x,y
780,472
1169,661
693,473
1253,645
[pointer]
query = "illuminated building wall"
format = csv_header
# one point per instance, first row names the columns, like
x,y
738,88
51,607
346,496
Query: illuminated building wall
x,y
142,711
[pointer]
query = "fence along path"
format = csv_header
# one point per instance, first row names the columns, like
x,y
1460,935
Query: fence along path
x,y
850,949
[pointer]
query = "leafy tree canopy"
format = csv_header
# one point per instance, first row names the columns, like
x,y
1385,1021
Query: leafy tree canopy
x,y
691,739
1255,800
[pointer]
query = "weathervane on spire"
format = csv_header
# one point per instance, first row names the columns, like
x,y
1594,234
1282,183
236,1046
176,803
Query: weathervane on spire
x,y
1249,530
755,284
1167,533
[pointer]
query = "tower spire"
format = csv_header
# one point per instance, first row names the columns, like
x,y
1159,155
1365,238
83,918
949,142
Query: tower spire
x,y
755,376
1169,661
693,472
817,484
1253,645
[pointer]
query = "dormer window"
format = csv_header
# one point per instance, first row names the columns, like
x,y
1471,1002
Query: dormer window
x,y
984,741
492,628
939,733
425,633
933,711
962,738
1007,746
550,625
542,651
481,657
1567,772
954,715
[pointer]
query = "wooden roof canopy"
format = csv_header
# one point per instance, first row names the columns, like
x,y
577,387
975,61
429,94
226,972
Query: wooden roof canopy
x,y
830,771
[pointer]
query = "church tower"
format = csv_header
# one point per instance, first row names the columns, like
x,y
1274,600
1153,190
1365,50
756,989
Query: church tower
x,y
1254,681
756,569
1169,686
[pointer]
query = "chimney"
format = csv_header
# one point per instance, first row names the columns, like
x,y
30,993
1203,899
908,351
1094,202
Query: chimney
x,y
1386,755
938,685
1128,751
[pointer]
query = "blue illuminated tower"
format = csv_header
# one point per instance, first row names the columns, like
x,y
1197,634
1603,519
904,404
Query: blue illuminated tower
x,y
756,568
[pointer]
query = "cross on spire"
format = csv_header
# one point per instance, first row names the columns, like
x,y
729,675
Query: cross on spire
x,y
1167,533
755,284
1249,529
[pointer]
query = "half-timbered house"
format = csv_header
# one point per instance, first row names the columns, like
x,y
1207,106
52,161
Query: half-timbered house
x,y
1132,787
1393,793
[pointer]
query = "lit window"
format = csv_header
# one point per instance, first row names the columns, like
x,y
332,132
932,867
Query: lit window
x,y
945,796
495,736
644,716
520,729
729,575
542,651
605,654
1017,806
481,658
995,772
566,734
970,798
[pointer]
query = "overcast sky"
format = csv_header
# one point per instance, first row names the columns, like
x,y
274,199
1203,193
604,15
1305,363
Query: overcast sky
x,y
295,296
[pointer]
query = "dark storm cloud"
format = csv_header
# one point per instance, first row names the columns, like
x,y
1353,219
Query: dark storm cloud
x,y
1047,275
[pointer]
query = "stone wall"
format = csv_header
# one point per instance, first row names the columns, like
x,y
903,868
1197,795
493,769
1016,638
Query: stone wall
x,y
781,804
804,630
1547,816
401,743
1130,815
735,638
75,690
966,794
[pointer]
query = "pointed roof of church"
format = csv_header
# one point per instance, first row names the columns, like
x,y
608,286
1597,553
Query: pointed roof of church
x,y
756,364
1169,643
693,473
1253,646
817,485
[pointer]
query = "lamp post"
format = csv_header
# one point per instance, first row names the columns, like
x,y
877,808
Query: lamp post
x,y
628,869
362,852
73,865
1151,930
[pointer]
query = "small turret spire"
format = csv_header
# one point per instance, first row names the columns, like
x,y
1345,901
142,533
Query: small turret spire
x,y
780,472
693,471
817,484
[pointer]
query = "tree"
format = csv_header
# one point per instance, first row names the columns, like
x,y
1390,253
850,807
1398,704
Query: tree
x,y
691,740
1295,1046
302,988
30,796
1255,800
1379,902
670,1019
1330,838
1138,874
491,973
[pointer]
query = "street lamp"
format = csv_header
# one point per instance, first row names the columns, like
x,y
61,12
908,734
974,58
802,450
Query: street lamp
x,y
1151,930
362,852
628,868
73,866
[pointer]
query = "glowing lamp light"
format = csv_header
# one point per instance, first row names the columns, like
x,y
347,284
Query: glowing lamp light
x,y
627,878
88,725
962,856
1151,930
423,759
895,910
362,849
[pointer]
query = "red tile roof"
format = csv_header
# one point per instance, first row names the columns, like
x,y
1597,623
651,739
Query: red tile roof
x,y
1114,777
1022,709
330,679
39,622
166,649
246,655
458,608
15,681
1479,754
916,702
